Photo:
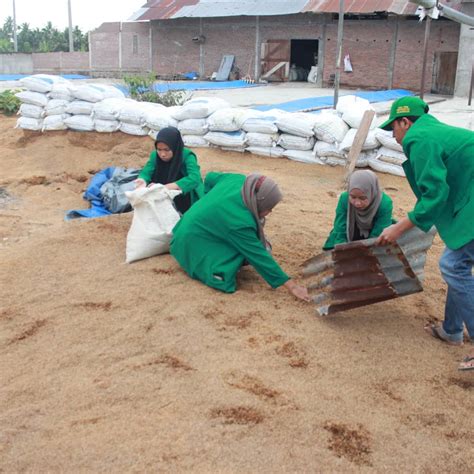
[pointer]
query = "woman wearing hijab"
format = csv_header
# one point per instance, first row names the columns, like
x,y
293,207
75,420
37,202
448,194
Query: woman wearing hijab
x,y
224,231
362,212
174,166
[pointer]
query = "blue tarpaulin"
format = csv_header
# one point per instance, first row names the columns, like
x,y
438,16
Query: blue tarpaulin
x,y
327,101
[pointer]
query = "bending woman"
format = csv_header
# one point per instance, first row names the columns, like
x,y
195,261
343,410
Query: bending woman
x,y
175,166
224,231
362,212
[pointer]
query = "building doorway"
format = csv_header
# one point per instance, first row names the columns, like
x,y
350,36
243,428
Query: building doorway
x,y
303,56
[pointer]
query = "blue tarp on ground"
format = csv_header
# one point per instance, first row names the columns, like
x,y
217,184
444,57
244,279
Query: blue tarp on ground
x,y
17,77
203,85
327,101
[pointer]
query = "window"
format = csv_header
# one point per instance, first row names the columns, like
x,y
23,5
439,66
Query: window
x,y
135,44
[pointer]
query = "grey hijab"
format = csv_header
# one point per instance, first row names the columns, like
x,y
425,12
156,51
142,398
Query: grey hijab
x,y
260,193
368,183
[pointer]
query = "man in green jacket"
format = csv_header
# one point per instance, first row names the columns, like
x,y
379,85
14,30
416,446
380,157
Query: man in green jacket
x,y
440,171
224,230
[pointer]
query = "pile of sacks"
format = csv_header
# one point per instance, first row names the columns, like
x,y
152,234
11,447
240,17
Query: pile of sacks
x,y
53,103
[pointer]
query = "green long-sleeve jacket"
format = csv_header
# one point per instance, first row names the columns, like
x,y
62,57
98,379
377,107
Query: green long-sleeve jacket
x,y
214,238
338,234
191,182
440,170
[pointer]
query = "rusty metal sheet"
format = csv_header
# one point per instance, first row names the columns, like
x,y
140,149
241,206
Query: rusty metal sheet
x,y
360,273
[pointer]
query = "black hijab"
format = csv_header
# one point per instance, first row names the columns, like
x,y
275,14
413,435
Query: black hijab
x,y
169,171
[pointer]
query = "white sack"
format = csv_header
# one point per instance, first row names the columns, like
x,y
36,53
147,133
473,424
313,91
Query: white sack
x,y
387,139
193,127
390,156
200,107
299,124
386,167
195,141
82,123
262,139
329,127
135,112
108,109
56,107
334,161
262,122
226,139
41,82
29,123
55,122
292,142
132,129
29,110
154,217
370,142
33,98
159,118
106,126
228,120
97,92
303,156
352,109
79,107
61,91
323,150
274,151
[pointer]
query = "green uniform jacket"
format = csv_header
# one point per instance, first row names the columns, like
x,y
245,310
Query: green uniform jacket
x,y
440,170
382,219
191,182
214,238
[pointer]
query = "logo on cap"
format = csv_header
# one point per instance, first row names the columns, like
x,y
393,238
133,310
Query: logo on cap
x,y
403,109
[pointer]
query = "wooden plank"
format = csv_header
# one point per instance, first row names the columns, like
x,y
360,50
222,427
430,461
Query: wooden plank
x,y
357,144
275,68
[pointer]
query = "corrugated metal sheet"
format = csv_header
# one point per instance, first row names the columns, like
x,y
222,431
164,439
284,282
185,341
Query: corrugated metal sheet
x,y
171,9
360,273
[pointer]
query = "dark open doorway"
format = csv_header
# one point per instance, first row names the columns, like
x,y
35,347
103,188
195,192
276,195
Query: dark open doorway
x,y
304,55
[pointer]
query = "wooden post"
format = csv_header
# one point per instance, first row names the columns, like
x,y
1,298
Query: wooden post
x,y
472,85
257,49
393,52
425,55
357,144
340,29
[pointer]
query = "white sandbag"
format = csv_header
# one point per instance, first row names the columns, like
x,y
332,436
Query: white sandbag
x,y
227,139
56,107
55,122
193,126
41,82
390,156
383,167
262,139
292,142
235,149
29,110
303,156
82,123
329,127
97,92
79,107
324,149
107,109
33,98
195,141
228,120
364,158
299,124
159,118
370,142
352,109
333,161
154,217
273,152
262,122
61,91
133,129
386,138
106,126
29,123
200,107
133,111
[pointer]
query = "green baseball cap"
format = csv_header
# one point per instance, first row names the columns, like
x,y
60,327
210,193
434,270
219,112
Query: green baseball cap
x,y
405,107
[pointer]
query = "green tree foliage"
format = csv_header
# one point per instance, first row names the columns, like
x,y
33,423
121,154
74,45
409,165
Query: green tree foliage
x,y
45,40
9,102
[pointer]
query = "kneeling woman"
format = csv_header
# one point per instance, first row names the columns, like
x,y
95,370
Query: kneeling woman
x,y
175,166
362,212
224,230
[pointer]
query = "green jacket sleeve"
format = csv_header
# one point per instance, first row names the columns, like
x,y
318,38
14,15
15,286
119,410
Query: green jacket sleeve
x,y
247,243
211,179
383,218
338,234
147,172
191,171
430,174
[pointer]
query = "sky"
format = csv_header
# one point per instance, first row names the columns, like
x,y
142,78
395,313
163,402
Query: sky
x,y
87,14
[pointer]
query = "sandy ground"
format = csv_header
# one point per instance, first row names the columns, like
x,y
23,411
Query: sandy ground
x,y
109,367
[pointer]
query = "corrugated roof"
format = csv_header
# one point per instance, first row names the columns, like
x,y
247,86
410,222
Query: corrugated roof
x,y
170,9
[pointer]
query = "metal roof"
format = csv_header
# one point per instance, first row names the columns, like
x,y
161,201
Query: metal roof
x,y
171,9
360,273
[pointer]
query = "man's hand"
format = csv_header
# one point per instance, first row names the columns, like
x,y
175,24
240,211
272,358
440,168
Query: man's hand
x,y
392,233
298,291
140,183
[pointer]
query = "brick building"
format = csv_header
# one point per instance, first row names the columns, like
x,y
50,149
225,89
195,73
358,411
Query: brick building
x,y
383,38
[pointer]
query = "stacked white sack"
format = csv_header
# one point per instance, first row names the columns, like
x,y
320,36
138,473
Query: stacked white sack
x,y
262,133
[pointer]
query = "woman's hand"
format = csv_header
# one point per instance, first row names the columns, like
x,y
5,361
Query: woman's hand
x,y
140,183
392,233
298,291
172,187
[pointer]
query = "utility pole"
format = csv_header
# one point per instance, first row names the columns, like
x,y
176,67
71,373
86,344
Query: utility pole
x,y
425,56
71,40
15,41
340,29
